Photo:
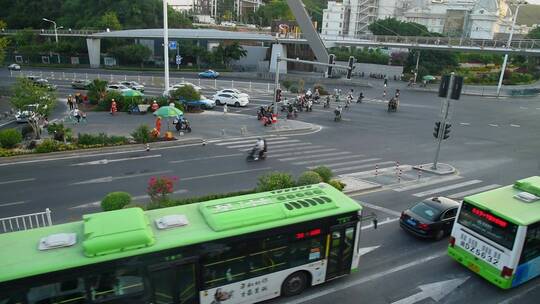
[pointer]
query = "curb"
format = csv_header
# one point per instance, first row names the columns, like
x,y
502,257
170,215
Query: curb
x,y
92,151
444,169
358,189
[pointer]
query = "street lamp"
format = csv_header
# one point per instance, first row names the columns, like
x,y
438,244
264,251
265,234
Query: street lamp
x,y
55,29
165,46
518,4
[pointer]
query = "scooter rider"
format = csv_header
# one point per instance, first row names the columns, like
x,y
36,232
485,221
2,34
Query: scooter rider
x,y
327,103
338,112
360,98
259,149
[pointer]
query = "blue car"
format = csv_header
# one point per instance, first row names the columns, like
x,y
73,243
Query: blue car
x,y
209,74
203,103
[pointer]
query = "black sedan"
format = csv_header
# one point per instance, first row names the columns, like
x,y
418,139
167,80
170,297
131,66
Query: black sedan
x,y
431,218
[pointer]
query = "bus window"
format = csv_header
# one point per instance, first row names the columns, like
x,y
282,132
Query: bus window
x,y
116,283
305,251
531,249
494,228
69,291
225,272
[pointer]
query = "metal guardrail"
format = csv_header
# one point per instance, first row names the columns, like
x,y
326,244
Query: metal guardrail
x,y
26,221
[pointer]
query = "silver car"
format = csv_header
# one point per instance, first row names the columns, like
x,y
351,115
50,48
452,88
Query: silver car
x,y
14,67
133,85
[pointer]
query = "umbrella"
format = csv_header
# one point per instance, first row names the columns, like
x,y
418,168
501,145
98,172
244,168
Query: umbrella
x,y
168,111
428,78
132,93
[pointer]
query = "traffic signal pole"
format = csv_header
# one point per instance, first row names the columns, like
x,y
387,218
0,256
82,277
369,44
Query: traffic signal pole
x,y
446,106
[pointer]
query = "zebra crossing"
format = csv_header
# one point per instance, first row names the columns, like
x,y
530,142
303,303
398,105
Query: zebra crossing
x,y
345,163
302,153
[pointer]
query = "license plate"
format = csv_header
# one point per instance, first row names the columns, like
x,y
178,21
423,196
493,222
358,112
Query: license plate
x,y
482,251
411,222
474,267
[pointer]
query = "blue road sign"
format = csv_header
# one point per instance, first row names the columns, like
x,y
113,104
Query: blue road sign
x,y
172,45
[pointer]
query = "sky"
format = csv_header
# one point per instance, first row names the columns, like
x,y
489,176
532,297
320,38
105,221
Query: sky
x,y
534,1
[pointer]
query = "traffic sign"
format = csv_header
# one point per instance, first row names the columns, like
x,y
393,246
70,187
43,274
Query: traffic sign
x,y
178,59
172,45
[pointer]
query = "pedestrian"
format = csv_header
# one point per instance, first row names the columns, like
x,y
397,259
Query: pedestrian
x,y
154,106
225,109
77,114
70,102
85,99
385,81
83,117
384,93
158,125
113,107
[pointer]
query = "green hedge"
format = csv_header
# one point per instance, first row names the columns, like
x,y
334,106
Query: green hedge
x,y
192,200
309,178
100,139
275,180
9,138
50,145
115,201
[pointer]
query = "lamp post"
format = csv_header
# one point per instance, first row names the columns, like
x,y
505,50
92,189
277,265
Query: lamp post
x,y
55,30
519,3
165,45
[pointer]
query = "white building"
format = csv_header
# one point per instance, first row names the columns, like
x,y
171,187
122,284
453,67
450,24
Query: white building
x,y
181,5
348,18
334,19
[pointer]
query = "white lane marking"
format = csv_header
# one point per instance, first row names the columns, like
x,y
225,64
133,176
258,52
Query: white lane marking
x,y
436,291
225,140
524,108
464,123
372,165
203,158
383,209
332,165
473,191
369,278
386,221
7,122
224,173
493,125
295,147
328,159
133,198
366,250
515,126
290,153
12,203
108,161
445,188
424,183
17,181
252,144
246,141
314,156
108,179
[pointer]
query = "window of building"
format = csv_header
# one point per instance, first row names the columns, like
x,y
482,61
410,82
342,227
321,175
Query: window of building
x,y
340,25
326,24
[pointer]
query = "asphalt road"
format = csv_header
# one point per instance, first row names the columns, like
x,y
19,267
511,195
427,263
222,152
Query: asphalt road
x,y
493,142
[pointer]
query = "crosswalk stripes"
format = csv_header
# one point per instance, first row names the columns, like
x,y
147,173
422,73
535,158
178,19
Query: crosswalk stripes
x,y
302,152
427,183
245,140
316,161
372,166
314,156
333,165
473,191
251,144
290,147
446,188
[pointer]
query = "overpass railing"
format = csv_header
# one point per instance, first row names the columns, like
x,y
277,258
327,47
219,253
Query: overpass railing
x,y
61,32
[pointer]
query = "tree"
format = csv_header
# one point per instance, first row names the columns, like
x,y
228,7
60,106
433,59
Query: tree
x,y
534,33
178,19
39,100
186,92
3,43
225,53
97,91
274,10
110,20
394,27
131,54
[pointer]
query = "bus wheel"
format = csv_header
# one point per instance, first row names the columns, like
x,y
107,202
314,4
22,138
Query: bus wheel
x,y
294,284
439,235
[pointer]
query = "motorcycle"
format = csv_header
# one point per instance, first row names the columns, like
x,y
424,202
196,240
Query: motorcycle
x,y
337,116
251,154
392,105
327,103
360,98
182,125
292,114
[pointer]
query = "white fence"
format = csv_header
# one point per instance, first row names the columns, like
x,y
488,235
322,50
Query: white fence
x,y
153,81
26,221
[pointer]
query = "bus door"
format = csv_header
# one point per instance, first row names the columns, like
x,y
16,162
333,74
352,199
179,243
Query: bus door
x,y
174,282
340,249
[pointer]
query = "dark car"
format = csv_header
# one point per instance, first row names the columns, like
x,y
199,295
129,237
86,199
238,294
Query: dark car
x,y
44,83
431,218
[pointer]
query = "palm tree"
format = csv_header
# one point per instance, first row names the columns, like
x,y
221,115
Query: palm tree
x,y
97,91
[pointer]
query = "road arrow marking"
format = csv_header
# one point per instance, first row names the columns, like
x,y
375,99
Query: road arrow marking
x,y
108,161
108,179
366,250
437,291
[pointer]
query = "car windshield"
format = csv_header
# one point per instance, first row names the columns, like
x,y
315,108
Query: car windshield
x,y
426,211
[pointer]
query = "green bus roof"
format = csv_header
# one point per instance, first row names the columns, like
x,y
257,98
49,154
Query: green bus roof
x,y
502,201
122,233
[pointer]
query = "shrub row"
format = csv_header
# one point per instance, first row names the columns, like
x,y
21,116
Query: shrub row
x,y
101,139
9,138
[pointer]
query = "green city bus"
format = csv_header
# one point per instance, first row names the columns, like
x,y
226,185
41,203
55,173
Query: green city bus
x,y
497,233
241,249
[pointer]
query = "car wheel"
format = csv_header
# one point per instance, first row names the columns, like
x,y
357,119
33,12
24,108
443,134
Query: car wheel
x,y
294,284
218,103
237,104
439,235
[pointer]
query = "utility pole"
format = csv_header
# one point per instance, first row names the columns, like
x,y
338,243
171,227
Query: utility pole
x,y
276,84
416,69
165,45
503,67
442,126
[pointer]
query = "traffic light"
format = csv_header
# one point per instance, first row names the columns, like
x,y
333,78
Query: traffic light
x,y
443,87
436,129
351,67
456,88
446,131
331,60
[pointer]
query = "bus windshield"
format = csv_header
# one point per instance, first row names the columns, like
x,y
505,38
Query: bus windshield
x,y
483,222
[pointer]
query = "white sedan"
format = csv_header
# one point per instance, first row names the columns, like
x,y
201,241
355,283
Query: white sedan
x,y
14,67
167,93
230,99
234,91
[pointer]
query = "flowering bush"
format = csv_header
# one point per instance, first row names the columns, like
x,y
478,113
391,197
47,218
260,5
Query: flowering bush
x,y
160,187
